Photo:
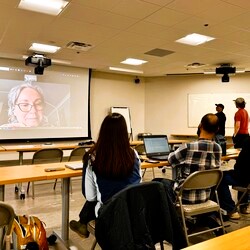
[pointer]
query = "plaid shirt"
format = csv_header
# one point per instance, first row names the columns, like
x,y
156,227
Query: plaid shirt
x,y
195,156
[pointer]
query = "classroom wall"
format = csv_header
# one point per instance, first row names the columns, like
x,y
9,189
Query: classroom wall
x,y
157,104
116,90
166,109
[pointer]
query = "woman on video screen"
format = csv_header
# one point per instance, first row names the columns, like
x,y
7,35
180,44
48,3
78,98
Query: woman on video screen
x,y
26,107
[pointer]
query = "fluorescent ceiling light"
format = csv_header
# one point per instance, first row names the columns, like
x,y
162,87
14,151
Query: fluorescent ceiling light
x,y
44,48
61,61
132,61
240,70
4,69
195,39
50,7
209,71
126,70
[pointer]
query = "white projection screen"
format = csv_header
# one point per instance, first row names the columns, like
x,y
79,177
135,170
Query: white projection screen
x,y
59,109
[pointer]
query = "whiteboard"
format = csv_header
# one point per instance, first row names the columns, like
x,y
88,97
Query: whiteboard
x,y
201,104
126,114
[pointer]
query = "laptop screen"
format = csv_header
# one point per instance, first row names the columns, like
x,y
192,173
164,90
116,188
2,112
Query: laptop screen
x,y
156,145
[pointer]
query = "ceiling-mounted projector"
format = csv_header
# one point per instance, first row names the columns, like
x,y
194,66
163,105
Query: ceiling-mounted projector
x,y
225,70
39,62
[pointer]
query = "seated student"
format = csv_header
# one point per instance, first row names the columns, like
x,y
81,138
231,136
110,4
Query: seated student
x,y
239,176
198,155
111,166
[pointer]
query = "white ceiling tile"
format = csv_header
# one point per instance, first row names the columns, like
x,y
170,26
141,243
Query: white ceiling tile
x,y
167,17
118,29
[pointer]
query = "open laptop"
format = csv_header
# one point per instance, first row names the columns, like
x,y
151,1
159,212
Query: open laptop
x,y
74,165
156,147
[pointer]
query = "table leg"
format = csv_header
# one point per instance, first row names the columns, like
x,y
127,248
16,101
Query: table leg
x,y
19,187
2,188
63,236
20,157
65,208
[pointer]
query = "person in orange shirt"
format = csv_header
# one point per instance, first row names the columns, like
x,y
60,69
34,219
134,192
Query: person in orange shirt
x,y
241,120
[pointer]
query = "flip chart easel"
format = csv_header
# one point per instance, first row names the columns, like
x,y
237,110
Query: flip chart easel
x,y
126,114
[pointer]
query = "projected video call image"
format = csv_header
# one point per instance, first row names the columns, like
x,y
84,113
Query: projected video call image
x,y
35,105
54,106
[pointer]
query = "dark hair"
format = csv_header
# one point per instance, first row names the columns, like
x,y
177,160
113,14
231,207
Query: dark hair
x,y
114,158
241,105
210,123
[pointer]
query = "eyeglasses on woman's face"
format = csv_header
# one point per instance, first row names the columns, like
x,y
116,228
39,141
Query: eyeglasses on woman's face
x,y
26,107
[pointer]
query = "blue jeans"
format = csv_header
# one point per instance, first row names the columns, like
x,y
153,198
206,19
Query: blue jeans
x,y
224,194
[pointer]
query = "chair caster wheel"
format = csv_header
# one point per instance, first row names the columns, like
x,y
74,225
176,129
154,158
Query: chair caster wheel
x,y
16,189
22,196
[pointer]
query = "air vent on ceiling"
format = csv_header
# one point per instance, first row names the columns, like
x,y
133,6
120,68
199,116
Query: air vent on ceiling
x,y
79,46
159,52
195,65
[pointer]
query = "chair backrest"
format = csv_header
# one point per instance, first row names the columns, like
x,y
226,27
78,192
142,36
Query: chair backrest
x,y
6,220
140,215
77,154
47,155
202,180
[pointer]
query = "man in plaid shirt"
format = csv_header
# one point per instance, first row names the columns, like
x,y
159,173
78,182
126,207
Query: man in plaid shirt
x,y
197,156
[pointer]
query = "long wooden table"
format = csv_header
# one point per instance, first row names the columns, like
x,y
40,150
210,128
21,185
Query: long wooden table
x,y
21,149
232,154
236,240
36,172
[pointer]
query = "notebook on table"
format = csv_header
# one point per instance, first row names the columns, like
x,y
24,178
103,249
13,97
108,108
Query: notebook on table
x,y
157,147
74,165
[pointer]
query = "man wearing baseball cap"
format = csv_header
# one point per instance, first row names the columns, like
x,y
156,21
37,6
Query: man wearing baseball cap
x,y
241,120
220,135
222,118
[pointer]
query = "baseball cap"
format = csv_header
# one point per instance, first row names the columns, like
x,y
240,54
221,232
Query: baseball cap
x,y
240,100
220,105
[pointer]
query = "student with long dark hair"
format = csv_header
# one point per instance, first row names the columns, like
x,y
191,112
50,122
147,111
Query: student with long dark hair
x,y
110,165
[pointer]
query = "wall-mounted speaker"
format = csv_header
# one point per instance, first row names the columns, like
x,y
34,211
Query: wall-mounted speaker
x,y
137,80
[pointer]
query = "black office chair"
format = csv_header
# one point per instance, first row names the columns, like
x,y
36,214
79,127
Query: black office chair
x,y
43,156
6,220
138,217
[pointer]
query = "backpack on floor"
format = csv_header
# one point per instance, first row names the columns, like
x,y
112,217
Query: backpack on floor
x,y
30,229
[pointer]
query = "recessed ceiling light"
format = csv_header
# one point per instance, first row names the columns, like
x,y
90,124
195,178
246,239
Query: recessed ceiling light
x,y
126,70
4,68
57,61
39,47
195,39
50,7
132,61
